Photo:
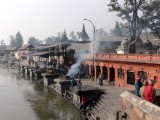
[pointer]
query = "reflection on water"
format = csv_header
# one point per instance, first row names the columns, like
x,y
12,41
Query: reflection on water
x,y
23,99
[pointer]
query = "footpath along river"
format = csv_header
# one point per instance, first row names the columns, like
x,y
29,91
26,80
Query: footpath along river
x,y
25,99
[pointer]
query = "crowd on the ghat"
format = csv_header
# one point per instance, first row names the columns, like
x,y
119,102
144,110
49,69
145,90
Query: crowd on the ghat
x,y
145,89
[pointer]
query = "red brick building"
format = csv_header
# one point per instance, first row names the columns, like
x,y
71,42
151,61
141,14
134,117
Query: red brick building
x,y
120,69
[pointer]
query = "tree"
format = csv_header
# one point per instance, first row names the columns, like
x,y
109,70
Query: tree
x,y
33,41
50,40
12,41
120,29
125,29
131,12
19,40
79,34
117,30
151,10
2,43
73,36
101,34
16,41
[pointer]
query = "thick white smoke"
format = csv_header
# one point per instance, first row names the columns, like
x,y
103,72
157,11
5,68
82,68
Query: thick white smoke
x,y
75,68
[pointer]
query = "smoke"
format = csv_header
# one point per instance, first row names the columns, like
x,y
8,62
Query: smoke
x,y
104,42
42,65
75,68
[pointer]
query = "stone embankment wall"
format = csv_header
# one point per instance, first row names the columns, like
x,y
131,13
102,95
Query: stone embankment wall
x,y
137,108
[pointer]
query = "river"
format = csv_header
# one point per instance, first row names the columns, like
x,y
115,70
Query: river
x,y
25,99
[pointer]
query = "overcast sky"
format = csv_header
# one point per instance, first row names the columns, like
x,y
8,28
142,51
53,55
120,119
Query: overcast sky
x,y
44,18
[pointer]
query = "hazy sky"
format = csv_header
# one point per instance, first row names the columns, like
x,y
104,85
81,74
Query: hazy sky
x,y
44,18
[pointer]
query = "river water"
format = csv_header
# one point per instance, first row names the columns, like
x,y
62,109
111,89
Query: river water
x,y
25,99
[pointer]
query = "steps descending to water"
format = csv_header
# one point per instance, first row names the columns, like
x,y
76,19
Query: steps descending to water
x,y
108,104
105,108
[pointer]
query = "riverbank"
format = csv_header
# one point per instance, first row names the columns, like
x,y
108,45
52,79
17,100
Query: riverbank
x,y
105,106
23,98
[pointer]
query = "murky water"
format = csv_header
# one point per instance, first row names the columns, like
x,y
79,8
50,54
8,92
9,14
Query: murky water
x,y
23,99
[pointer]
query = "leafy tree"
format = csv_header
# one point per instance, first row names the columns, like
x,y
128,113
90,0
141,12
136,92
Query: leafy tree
x,y
152,11
16,41
19,40
120,29
131,12
33,41
50,40
12,41
117,30
125,29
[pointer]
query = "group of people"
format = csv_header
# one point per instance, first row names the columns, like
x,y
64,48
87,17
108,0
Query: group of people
x,y
79,83
145,89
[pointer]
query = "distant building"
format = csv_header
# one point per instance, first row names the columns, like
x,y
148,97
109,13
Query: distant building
x,y
140,47
64,37
24,53
84,35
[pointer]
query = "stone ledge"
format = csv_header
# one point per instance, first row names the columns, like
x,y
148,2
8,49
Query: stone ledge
x,y
146,107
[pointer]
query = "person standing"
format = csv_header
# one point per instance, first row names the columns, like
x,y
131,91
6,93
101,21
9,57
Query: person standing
x,y
72,82
150,92
79,84
83,105
141,91
138,84
100,80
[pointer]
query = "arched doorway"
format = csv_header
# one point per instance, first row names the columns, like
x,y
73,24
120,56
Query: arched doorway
x,y
112,74
86,70
130,77
98,71
82,71
105,72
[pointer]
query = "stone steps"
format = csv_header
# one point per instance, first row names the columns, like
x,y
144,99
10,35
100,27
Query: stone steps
x,y
105,108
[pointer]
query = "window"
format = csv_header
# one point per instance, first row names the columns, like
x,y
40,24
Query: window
x,y
120,73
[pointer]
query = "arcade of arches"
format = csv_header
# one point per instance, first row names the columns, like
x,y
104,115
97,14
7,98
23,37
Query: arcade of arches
x,y
122,73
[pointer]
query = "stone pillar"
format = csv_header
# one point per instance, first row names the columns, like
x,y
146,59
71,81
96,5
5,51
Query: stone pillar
x,y
125,77
90,71
108,75
101,70
22,69
27,71
116,77
31,73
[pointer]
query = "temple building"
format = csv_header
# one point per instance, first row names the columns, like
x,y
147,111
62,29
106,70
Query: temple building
x,y
141,47
120,69
84,35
